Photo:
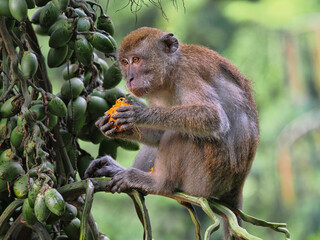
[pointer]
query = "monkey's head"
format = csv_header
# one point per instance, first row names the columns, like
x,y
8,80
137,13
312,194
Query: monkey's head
x,y
146,57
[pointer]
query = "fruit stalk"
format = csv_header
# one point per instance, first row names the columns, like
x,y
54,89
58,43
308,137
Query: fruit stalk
x,y
86,209
9,211
16,73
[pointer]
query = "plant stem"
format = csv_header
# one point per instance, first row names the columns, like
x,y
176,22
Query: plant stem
x,y
212,207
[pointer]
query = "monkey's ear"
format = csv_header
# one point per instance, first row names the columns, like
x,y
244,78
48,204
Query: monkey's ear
x,y
171,43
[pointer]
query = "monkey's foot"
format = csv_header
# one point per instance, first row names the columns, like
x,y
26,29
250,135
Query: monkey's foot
x,y
129,179
120,182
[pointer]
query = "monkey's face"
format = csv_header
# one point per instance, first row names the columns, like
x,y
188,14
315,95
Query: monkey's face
x,y
146,56
138,74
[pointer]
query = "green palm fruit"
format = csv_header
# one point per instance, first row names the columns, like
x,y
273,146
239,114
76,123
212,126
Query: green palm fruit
x,y
70,212
102,42
103,64
62,237
9,108
6,156
72,229
66,137
10,170
54,201
83,24
61,36
97,106
40,208
70,71
29,64
16,137
48,15
141,101
4,8
35,18
75,126
57,107
41,3
87,78
72,88
80,12
57,56
83,51
108,147
105,23
20,187
35,188
38,111
83,163
30,3
59,23
28,213
111,95
95,135
42,31
61,4
18,9
98,93
3,185
77,108
53,121
112,77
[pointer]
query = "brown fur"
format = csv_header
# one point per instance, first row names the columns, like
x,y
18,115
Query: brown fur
x,y
201,128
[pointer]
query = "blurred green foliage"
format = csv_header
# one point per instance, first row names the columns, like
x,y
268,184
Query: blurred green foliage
x,y
275,43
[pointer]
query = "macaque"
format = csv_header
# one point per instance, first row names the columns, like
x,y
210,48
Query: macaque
x,y
200,131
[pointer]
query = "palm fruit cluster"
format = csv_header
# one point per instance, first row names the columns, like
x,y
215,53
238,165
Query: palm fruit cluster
x,y
39,130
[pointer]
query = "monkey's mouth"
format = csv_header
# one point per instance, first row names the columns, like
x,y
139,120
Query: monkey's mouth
x,y
137,91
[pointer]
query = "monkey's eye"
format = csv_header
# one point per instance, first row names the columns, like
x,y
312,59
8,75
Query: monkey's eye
x,y
124,61
135,59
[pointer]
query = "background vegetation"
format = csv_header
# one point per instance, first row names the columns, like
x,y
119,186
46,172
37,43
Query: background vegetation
x,y
275,43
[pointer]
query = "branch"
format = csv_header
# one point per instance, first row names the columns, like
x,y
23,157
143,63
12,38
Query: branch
x,y
212,207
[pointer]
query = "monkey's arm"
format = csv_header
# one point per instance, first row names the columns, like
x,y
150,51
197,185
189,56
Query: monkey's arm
x,y
199,112
199,120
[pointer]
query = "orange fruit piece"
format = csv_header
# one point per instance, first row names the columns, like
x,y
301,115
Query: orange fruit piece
x,y
119,103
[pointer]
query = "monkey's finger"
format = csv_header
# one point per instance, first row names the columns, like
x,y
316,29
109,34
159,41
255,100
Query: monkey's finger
x,y
128,114
118,186
131,102
102,120
126,126
124,109
107,171
90,170
122,121
110,132
108,125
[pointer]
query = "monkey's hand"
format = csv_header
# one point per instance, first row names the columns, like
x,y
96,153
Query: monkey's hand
x,y
108,128
104,166
129,116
